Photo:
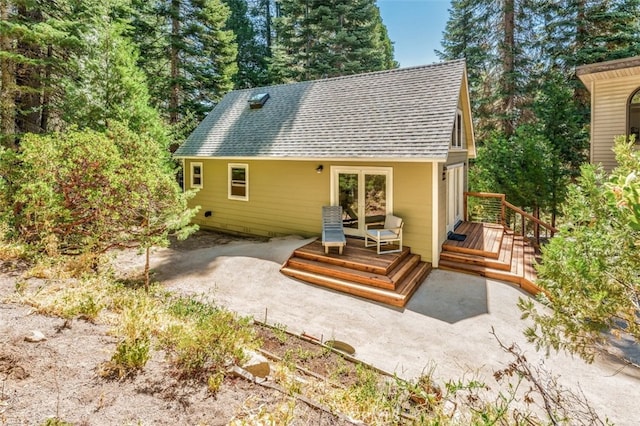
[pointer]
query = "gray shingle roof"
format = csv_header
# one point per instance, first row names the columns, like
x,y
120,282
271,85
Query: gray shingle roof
x,y
398,114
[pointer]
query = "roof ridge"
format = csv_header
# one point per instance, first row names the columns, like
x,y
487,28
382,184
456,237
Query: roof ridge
x,y
358,75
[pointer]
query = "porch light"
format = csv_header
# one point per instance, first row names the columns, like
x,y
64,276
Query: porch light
x,y
320,168
444,172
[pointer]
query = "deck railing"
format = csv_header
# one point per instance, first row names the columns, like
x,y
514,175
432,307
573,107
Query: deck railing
x,y
488,207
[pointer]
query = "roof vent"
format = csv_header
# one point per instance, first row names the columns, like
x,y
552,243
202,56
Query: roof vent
x,y
258,100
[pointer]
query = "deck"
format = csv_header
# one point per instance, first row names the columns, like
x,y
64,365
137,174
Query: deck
x,y
493,252
386,278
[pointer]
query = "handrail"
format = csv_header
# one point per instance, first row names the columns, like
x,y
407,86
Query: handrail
x,y
503,205
530,217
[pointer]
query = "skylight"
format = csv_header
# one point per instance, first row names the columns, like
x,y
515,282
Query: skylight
x,y
258,100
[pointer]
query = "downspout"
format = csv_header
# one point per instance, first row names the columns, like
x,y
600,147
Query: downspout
x,y
184,183
435,220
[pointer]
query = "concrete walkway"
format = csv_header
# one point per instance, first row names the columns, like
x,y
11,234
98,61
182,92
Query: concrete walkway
x,y
447,323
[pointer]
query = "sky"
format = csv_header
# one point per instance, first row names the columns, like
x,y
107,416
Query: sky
x,y
415,27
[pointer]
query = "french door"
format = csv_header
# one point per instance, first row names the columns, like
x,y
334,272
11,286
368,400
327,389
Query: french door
x,y
364,194
455,194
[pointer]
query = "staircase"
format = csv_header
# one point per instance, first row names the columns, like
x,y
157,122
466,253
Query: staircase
x,y
387,278
493,252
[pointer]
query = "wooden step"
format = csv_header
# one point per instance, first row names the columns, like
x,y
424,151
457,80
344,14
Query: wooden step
x,y
390,278
341,272
503,262
519,270
482,240
356,257
412,281
483,271
399,298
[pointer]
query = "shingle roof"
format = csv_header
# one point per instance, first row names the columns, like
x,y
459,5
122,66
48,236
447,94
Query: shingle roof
x,y
398,114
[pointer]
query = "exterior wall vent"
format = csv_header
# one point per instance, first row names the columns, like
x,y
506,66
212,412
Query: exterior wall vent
x,y
258,100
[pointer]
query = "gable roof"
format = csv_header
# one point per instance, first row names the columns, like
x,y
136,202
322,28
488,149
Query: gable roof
x,y
402,114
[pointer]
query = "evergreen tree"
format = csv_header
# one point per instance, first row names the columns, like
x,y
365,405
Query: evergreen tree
x,y
469,34
252,54
39,42
318,39
201,53
108,86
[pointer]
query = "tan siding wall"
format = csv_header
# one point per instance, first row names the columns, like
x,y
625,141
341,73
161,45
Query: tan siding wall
x,y
609,116
285,197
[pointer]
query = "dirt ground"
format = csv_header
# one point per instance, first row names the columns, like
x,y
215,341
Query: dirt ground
x,y
58,377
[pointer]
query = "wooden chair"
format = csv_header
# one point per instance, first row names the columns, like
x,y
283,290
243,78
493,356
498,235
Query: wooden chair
x,y
332,230
390,233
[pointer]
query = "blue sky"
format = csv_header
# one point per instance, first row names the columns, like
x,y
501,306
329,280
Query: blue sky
x,y
415,27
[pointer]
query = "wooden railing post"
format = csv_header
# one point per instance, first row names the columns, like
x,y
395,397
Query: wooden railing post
x,y
464,204
503,218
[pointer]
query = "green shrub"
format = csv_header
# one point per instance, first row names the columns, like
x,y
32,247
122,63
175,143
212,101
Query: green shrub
x,y
206,340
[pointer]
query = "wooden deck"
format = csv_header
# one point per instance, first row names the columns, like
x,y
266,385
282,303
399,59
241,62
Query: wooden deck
x,y
387,278
493,252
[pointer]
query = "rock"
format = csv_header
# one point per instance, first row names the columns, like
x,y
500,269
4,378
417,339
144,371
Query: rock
x,y
35,337
236,371
257,365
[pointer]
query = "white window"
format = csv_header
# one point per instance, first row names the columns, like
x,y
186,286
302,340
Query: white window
x,y
457,136
196,175
239,182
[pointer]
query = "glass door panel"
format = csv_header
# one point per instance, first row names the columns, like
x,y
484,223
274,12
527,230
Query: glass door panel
x,y
348,196
375,197
364,195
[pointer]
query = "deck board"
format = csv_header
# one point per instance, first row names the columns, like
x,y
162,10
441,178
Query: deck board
x,y
492,252
483,239
389,278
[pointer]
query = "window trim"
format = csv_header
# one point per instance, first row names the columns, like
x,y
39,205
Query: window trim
x,y
192,166
628,132
457,134
230,185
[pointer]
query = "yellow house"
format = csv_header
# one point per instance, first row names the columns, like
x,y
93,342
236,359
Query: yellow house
x,y
615,104
265,160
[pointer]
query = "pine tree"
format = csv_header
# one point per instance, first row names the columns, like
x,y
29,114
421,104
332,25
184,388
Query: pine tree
x,y
108,85
318,39
39,42
252,53
201,53
470,35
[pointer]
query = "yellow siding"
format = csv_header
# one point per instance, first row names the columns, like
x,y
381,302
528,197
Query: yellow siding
x,y
412,200
285,198
609,116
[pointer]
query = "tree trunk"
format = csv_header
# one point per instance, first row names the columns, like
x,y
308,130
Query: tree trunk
x,y
46,94
174,97
29,78
146,269
508,67
267,24
7,85
580,93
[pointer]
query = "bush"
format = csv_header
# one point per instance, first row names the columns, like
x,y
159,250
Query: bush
x,y
206,340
